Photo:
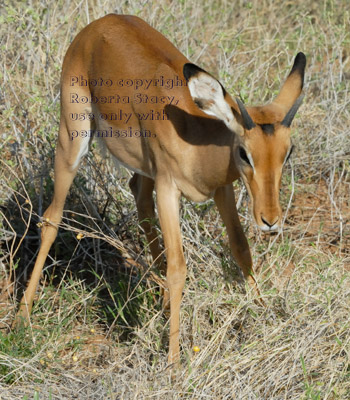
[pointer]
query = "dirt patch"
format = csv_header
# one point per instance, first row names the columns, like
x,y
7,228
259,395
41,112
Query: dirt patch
x,y
321,213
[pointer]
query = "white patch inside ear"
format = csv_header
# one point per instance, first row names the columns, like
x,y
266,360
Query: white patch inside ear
x,y
207,93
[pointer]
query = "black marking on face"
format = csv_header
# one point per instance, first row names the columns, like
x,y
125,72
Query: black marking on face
x,y
269,129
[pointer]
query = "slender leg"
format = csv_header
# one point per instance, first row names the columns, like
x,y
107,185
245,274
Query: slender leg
x,y
67,154
142,189
225,200
168,209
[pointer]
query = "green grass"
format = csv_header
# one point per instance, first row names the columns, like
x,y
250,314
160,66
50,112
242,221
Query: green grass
x,y
97,330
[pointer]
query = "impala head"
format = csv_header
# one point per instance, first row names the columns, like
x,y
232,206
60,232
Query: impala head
x,y
262,142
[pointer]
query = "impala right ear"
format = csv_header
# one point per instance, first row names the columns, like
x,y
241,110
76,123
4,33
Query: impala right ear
x,y
209,95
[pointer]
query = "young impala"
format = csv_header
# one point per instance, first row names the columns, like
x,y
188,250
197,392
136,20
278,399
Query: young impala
x,y
181,133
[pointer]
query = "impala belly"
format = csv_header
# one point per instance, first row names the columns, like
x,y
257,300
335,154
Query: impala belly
x,y
127,145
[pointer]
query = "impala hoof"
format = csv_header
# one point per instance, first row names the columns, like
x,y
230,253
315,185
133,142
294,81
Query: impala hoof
x,y
254,286
19,322
22,318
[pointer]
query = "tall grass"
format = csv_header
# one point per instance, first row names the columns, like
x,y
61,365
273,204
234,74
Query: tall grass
x,y
97,330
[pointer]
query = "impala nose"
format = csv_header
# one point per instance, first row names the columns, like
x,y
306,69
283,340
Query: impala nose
x,y
268,225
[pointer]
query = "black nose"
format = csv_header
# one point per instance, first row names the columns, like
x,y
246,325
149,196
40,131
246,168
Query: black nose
x,y
267,223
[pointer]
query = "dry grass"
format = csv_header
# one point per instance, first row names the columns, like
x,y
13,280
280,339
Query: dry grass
x,y
97,329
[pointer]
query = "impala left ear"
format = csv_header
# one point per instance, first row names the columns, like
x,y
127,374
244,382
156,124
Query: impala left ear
x,y
287,120
209,95
293,85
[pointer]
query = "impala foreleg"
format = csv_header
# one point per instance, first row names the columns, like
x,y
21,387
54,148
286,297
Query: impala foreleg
x,y
168,210
225,200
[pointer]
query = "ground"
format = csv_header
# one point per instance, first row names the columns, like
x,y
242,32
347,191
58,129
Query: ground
x,y
97,329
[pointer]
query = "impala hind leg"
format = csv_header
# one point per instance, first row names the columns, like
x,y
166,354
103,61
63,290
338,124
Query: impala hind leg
x,y
142,189
168,210
68,154
225,200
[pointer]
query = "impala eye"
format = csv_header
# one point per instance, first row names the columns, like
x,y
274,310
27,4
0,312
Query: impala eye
x,y
243,156
289,154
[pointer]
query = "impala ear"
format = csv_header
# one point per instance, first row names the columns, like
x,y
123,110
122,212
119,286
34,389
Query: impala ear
x,y
209,95
293,85
291,113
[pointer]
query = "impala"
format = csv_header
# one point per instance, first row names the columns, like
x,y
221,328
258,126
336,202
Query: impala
x,y
181,133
